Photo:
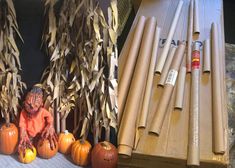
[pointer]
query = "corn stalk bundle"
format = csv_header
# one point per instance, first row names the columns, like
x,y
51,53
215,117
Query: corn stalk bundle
x,y
88,53
11,86
56,38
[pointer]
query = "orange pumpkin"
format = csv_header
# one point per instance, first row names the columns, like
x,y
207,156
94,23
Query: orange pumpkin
x,y
29,155
80,152
8,139
65,142
44,149
104,155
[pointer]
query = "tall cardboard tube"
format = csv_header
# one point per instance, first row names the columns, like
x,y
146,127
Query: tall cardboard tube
x,y
217,116
159,116
194,112
125,78
179,98
207,56
128,124
147,94
189,36
167,66
166,48
196,27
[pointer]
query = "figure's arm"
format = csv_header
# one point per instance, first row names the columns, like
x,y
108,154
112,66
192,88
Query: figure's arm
x,y
24,138
49,131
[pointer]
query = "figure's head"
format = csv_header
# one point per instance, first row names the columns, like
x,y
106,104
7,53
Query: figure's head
x,y
34,100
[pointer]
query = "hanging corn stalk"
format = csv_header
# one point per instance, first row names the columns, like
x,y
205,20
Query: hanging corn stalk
x,y
94,65
11,86
56,38
84,45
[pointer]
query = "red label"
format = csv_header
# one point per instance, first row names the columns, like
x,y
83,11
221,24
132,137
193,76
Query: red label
x,y
195,59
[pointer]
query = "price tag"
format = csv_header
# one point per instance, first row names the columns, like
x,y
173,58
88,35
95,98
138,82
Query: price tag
x,y
171,77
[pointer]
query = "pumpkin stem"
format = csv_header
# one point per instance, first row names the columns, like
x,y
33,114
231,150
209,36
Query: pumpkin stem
x,y
106,145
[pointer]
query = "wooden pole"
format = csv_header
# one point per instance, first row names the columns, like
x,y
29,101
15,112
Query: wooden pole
x,y
127,128
189,36
125,78
194,134
179,98
166,48
147,94
217,119
207,56
196,27
167,66
159,116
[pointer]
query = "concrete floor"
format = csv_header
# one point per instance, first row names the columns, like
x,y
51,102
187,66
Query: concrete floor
x,y
230,80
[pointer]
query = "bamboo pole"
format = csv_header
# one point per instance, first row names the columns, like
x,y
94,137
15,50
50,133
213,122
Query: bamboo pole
x,y
218,131
207,56
167,66
147,94
196,26
194,113
179,98
125,78
189,36
128,124
166,48
159,116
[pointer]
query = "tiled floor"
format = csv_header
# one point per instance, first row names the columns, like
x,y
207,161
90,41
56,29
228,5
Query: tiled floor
x,y
58,161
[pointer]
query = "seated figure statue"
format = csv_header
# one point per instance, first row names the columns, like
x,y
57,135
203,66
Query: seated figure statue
x,y
35,121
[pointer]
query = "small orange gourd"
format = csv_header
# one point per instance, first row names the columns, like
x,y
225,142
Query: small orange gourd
x,y
80,152
65,142
29,155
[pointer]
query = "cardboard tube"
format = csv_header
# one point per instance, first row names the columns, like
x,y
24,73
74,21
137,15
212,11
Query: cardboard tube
x,y
189,36
207,56
217,119
166,48
125,78
128,124
159,116
194,138
167,66
179,98
196,27
147,94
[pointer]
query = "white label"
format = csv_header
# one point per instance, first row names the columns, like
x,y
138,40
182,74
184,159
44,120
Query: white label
x,y
171,77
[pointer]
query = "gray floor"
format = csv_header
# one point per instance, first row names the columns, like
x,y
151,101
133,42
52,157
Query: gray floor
x,y
58,161
230,80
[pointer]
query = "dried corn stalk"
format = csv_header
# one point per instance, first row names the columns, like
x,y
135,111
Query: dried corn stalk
x,y
11,86
89,77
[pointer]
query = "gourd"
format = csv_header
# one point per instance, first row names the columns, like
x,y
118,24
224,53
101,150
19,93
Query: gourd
x,y
65,142
29,155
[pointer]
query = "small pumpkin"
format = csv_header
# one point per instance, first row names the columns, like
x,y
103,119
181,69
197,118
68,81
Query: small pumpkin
x,y
29,155
44,150
65,142
80,152
8,139
104,155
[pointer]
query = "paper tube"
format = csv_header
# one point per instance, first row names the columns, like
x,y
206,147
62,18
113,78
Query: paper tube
x,y
194,112
167,66
125,78
128,124
179,98
159,116
189,36
147,94
217,119
207,56
166,48
196,27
